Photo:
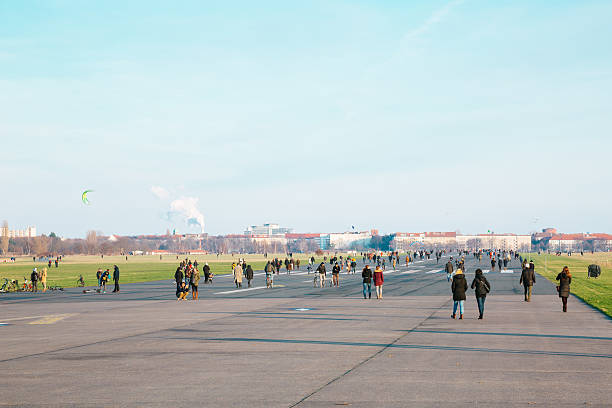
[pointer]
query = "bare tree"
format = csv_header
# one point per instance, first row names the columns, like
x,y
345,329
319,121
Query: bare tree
x,y
91,241
4,238
40,245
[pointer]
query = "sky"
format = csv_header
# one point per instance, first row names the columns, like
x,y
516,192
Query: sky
x,y
404,116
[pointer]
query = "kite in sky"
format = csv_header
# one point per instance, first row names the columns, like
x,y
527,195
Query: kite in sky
x,y
84,197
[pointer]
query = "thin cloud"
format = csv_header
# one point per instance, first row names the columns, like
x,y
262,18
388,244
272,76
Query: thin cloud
x,y
160,192
435,18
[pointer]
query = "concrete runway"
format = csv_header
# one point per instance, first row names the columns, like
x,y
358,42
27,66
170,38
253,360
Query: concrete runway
x,y
300,346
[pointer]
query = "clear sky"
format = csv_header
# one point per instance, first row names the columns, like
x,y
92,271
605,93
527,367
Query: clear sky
x,y
318,115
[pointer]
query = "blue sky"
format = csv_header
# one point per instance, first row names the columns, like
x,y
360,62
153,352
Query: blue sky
x,y
402,116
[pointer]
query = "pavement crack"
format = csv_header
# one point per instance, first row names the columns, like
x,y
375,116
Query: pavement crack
x,y
379,352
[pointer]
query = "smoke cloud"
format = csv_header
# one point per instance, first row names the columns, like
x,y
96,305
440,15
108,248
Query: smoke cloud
x,y
187,208
182,208
160,192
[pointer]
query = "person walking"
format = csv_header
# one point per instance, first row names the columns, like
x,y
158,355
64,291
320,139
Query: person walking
x,y
43,279
528,280
116,279
481,286
366,274
379,279
195,282
249,274
206,270
336,275
458,287
565,279
449,271
322,273
238,276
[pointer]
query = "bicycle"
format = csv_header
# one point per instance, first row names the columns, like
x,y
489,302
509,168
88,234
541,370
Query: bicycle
x,y
9,286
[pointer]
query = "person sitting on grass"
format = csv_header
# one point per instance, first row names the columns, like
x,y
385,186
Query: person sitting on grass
x,y
182,291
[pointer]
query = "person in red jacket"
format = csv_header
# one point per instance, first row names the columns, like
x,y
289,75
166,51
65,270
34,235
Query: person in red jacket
x,y
379,279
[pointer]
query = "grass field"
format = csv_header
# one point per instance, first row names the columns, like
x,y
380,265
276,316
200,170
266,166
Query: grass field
x,y
135,269
596,292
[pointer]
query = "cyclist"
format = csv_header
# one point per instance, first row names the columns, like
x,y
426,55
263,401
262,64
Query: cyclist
x,y
269,275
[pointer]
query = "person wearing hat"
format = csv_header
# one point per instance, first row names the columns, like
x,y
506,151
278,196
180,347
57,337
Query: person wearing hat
x,y
458,287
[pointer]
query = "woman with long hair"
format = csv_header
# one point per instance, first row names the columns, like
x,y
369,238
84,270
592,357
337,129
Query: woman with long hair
x,y
565,279
379,279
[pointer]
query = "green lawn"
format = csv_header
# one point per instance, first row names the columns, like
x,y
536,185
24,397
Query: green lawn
x,y
596,292
135,269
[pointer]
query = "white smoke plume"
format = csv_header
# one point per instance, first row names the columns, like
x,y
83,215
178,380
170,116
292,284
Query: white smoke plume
x,y
186,207
160,192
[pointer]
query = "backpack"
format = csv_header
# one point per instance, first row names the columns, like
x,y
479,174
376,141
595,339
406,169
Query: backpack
x,y
483,286
594,271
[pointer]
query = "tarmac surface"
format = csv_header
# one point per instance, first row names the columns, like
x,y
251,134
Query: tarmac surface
x,y
300,346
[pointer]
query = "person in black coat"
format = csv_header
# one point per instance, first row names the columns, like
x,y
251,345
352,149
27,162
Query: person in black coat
x,y
565,279
459,286
206,270
34,280
449,270
481,286
249,274
366,274
116,278
178,277
528,279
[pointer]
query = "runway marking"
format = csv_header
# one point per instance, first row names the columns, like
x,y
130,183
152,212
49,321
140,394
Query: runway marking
x,y
23,318
52,318
241,290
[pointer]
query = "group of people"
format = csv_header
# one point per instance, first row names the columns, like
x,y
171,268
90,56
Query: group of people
x,y
36,277
241,270
482,287
368,276
187,276
104,276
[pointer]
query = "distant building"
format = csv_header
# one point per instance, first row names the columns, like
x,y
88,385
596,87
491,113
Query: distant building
x,y
349,240
579,242
29,232
267,229
407,240
506,242
413,240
